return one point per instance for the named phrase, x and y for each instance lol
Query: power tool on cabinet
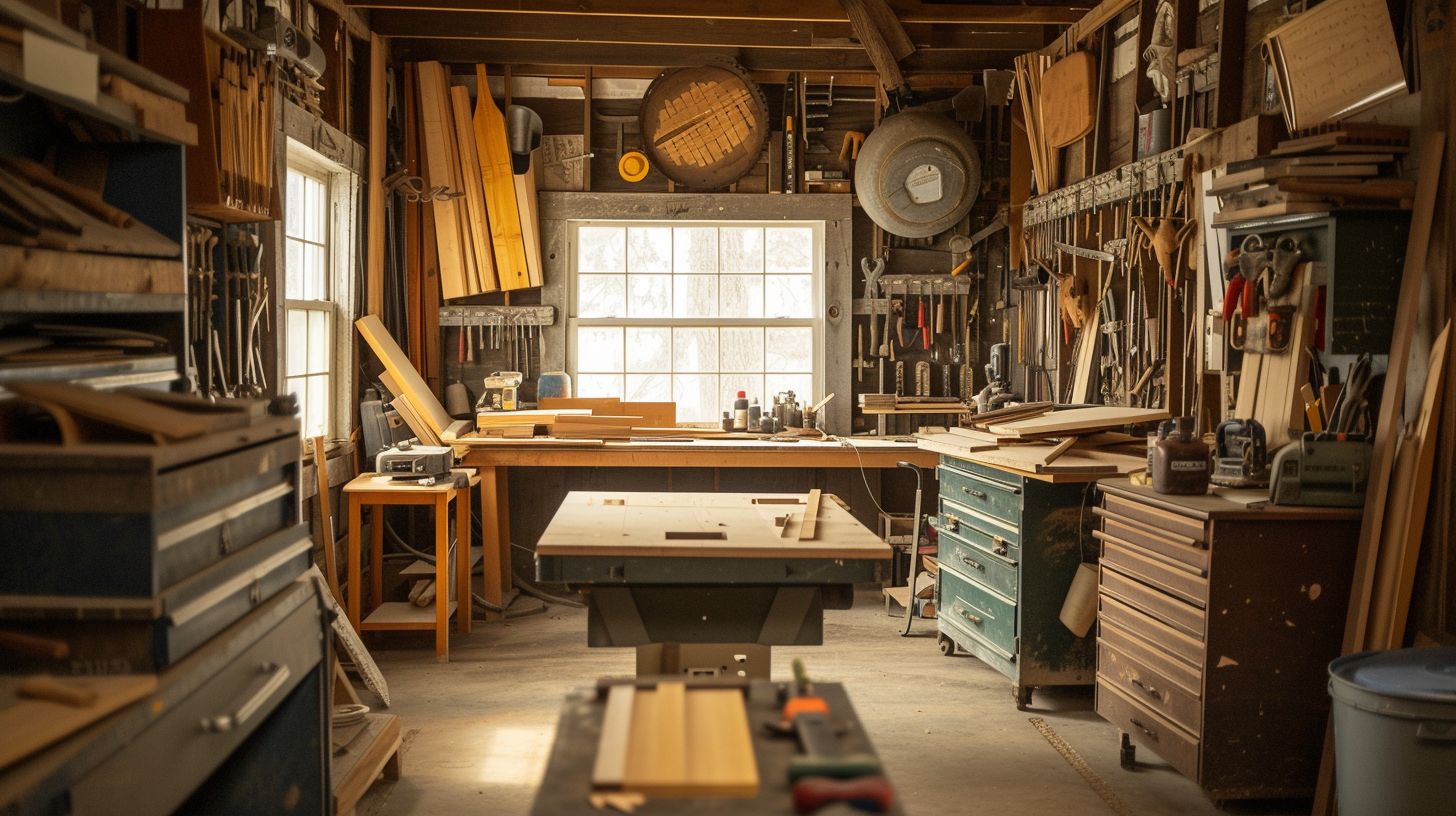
(1241, 454)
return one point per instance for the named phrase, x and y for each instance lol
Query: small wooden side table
(380, 492)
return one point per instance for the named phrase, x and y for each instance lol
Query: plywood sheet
(702, 525)
(1079, 420)
(1333, 60)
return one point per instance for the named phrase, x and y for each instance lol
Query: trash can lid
(1411, 674)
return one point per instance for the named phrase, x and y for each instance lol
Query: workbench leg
(490, 541)
(376, 556)
(442, 578)
(462, 558)
(503, 499)
(355, 576)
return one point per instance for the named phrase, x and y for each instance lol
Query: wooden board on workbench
(1078, 420)
(671, 741)
(701, 525)
(30, 725)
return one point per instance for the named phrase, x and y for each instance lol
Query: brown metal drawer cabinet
(1217, 616)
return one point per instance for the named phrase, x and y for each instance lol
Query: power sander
(1322, 470)
(1241, 454)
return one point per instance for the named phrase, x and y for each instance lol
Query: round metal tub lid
(1426, 675)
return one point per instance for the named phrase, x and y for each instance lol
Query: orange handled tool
(872, 794)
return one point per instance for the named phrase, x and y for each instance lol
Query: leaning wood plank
(525, 184)
(500, 190)
(378, 148)
(1079, 420)
(30, 725)
(476, 220)
(1061, 448)
(610, 769)
(435, 133)
(324, 536)
(410, 383)
(469, 263)
(121, 410)
(811, 516)
(1410, 497)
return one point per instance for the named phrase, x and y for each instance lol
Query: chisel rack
(1132, 179)
(497, 315)
(903, 285)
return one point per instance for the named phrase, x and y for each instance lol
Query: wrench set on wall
(227, 310)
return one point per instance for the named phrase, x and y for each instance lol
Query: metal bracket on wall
(497, 315)
(1132, 179)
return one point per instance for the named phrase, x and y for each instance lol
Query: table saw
(706, 583)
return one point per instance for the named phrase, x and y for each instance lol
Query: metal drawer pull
(1152, 692)
(1143, 728)
(1000, 545)
(972, 564)
(279, 675)
(968, 616)
(977, 493)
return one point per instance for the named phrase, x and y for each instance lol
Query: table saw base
(746, 660)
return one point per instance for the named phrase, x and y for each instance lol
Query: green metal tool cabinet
(1009, 546)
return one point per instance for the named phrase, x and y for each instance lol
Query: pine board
(1078, 420)
(530, 222)
(500, 190)
(30, 725)
(435, 133)
(680, 743)
(476, 221)
(411, 385)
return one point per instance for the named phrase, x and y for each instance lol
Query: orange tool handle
(803, 705)
(872, 794)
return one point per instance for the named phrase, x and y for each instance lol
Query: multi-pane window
(317, 214)
(694, 313)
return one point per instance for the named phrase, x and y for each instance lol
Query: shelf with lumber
(921, 410)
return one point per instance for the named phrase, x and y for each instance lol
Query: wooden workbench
(495, 460)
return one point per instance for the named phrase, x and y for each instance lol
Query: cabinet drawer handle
(1151, 692)
(968, 616)
(972, 564)
(278, 675)
(1143, 728)
(1000, 543)
(973, 492)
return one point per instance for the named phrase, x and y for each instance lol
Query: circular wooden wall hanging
(917, 174)
(704, 127)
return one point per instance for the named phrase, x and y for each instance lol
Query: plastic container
(553, 384)
(740, 412)
(1395, 731)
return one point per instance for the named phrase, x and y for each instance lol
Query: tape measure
(1099, 787)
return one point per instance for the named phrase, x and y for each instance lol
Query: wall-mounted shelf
(497, 315)
(1132, 179)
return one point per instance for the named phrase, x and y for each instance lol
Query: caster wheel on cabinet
(1127, 754)
(1023, 697)
(947, 646)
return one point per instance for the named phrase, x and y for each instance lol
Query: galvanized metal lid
(1426, 675)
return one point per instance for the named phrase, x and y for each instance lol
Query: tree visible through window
(694, 313)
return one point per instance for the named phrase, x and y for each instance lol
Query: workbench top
(1225, 503)
(711, 453)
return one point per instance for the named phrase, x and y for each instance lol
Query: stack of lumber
(873, 404)
(484, 217)
(40, 209)
(1035, 439)
(1349, 166)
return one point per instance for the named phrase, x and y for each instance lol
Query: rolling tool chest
(1009, 546)
(1217, 616)
(136, 554)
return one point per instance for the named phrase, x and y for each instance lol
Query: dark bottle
(1180, 459)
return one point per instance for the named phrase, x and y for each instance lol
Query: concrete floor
(479, 729)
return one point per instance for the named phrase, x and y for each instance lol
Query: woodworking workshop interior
(743, 407)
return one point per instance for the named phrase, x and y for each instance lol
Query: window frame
(818, 296)
(341, 203)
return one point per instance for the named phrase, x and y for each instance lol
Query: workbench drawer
(1182, 616)
(1149, 687)
(1174, 546)
(975, 609)
(1168, 639)
(1157, 517)
(998, 532)
(960, 552)
(1173, 577)
(1155, 656)
(983, 494)
(1149, 729)
(194, 734)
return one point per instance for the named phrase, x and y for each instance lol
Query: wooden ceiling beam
(457, 50)
(580, 28)
(811, 11)
(842, 79)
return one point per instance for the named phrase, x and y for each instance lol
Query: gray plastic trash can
(1395, 732)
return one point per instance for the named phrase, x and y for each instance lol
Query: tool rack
(1133, 179)
(497, 315)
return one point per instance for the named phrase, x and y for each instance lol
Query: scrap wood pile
(1325, 169)
(1037, 438)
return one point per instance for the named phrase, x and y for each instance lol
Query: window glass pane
(315, 215)
(801, 384)
(649, 349)
(315, 275)
(316, 418)
(789, 250)
(695, 349)
(601, 249)
(649, 249)
(790, 349)
(294, 206)
(599, 349)
(730, 384)
(789, 296)
(697, 397)
(694, 249)
(740, 296)
(694, 296)
(649, 388)
(740, 249)
(293, 270)
(601, 296)
(319, 347)
(649, 296)
(299, 390)
(741, 349)
(297, 343)
(599, 385)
